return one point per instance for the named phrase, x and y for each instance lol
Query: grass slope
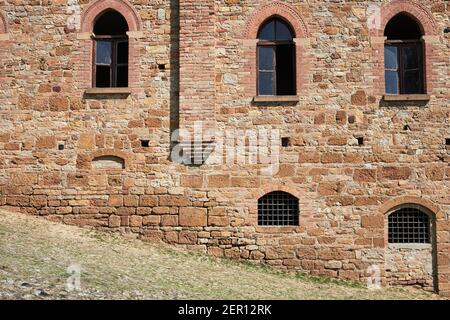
(35, 254)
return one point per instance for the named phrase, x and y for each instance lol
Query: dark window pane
(122, 52)
(110, 23)
(266, 83)
(410, 57)
(266, 58)
(412, 82)
(390, 57)
(104, 52)
(103, 77)
(282, 31)
(391, 79)
(267, 32)
(402, 27)
(285, 70)
(122, 76)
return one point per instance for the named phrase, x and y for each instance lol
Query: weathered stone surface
(192, 217)
(52, 131)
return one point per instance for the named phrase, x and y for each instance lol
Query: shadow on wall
(174, 69)
(402, 104)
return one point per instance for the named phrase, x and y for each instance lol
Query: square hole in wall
(161, 66)
(61, 146)
(145, 143)
(360, 141)
(447, 142)
(285, 142)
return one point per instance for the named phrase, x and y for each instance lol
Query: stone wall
(51, 130)
(410, 265)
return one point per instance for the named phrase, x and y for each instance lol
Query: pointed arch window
(276, 59)
(110, 50)
(404, 56)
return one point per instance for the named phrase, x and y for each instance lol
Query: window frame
(273, 44)
(429, 227)
(289, 221)
(115, 40)
(400, 45)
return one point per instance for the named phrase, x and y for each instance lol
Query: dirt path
(35, 255)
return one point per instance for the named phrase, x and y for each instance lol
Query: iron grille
(278, 208)
(409, 225)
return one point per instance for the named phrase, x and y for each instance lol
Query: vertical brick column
(431, 44)
(83, 60)
(377, 77)
(197, 63)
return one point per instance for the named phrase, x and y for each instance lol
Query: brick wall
(345, 190)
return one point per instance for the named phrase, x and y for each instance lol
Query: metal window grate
(409, 225)
(278, 208)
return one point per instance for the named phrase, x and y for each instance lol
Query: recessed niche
(145, 143)
(61, 146)
(108, 162)
(285, 142)
(351, 119)
(447, 142)
(360, 141)
(161, 66)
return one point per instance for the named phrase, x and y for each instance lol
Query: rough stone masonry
(101, 158)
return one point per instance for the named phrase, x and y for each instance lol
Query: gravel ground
(35, 255)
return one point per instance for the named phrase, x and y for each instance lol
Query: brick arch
(124, 7)
(274, 187)
(252, 202)
(84, 160)
(390, 205)
(113, 153)
(3, 23)
(278, 9)
(418, 12)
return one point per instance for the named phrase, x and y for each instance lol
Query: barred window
(278, 208)
(409, 225)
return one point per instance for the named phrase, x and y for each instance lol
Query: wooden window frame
(114, 65)
(400, 44)
(274, 45)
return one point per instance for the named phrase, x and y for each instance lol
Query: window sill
(406, 97)
(108, 91)
(414, 246)
(277, 229)
(276, 99)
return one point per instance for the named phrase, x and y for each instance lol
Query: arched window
(403, 56)
(276, 59)
(408, 225)
(278, 208)
(110, 50)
